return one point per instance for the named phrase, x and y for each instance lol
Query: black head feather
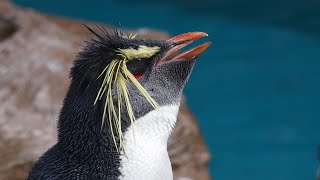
(101, 49)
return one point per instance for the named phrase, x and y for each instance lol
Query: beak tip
(190, 36)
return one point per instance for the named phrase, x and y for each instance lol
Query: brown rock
(36, 52)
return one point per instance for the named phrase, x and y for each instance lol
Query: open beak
(180, 42)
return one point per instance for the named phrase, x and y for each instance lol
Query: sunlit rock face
(36, 52)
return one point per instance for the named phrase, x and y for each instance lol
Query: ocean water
(255, 92)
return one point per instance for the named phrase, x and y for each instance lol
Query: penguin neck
(146, 155)
(79, 132)
(80, 122)
(79, 125)
(156, 125)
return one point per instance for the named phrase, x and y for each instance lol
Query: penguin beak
(180, 42)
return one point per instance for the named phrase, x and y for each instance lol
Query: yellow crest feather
(141, 52)
(116, 73)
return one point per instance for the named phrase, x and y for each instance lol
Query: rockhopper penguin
(120, 109)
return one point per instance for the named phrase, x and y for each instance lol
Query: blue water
(256, 91)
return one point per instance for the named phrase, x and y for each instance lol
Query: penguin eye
(138, 75)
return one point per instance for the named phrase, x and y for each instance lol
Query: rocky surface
(36, 52)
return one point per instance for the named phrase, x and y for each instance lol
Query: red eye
(138, 75)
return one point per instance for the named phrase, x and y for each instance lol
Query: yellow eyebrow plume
(142, 52)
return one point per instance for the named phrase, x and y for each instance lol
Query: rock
(36, 52)
(6, 28)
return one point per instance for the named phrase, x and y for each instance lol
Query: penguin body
(87, 147)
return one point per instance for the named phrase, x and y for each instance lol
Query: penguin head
(149, 73)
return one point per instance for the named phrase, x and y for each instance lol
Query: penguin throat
(146, 153)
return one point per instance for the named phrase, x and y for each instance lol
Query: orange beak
(183, 40)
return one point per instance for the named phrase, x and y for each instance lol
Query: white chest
(146, 146)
